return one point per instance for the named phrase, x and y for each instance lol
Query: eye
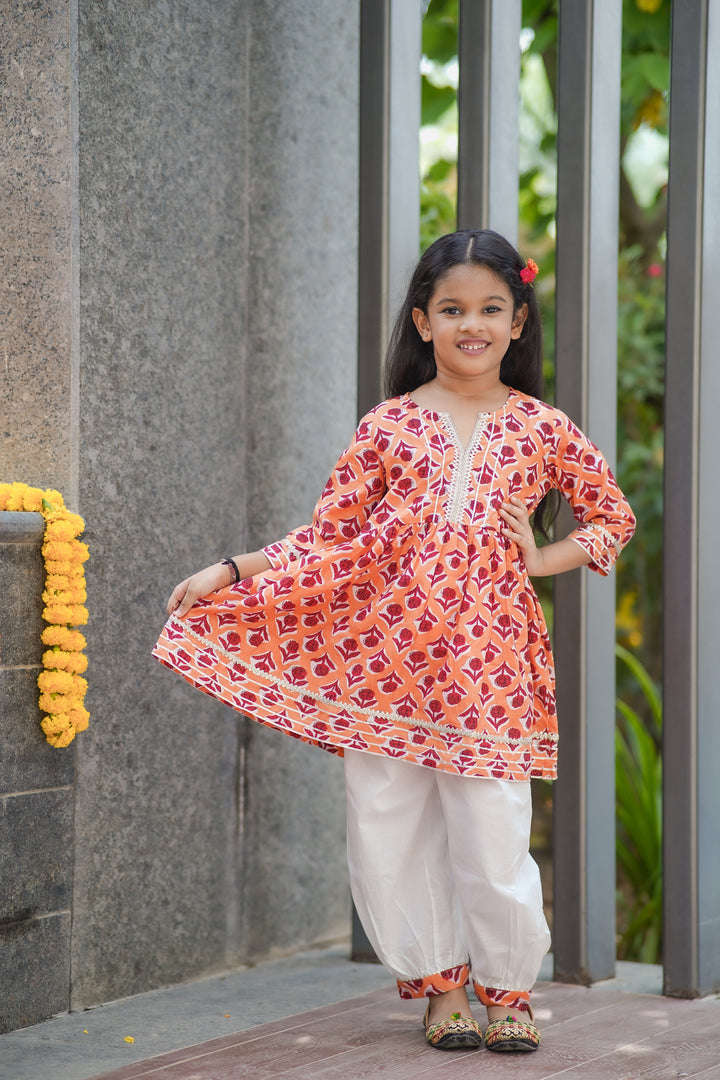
(451, 309)
(492, 309)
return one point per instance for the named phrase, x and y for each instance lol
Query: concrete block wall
(187, 380)
(36, 799)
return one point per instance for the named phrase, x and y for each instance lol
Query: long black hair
(411, 361)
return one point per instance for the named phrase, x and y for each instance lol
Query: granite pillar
(38, 248)
(180, 363)
(162, 174)
(301, 368)
(36, 799)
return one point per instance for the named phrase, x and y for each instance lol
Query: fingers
(186, 602)
(515, 513)
(517, 522)
(178, 594)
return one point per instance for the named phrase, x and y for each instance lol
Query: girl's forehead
(471, 278)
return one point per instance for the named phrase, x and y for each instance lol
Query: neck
(487, 392)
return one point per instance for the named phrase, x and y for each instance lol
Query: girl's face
(470, 321)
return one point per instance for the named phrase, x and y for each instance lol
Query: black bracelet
(227, 561)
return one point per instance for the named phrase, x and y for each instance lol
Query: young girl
(401, 629)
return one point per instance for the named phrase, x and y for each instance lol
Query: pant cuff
(431, 985)
(508, 999)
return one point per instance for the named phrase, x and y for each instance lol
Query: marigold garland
(62, 689)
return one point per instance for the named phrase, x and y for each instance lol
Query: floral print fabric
(401, 621)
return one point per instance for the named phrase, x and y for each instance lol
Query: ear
(519, 321)
(422, 323)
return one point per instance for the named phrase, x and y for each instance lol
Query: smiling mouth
(473, 346)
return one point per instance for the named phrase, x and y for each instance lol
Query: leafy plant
(638, 793)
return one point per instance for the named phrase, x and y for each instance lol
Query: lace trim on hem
(604, 534)
(426, 725)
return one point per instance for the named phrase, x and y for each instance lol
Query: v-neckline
(452, 426)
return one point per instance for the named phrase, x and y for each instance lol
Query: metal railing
(589, 52)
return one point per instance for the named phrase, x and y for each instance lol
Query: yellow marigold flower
(32, 499)
(56, 703)
(54, 724)
(54, 498)
(75, 595)
(55, 682)
(58, 528)
(65, 614)
(57, 659)
(649, 6)
(76, 523)
(57, 582)
(61, 685)
(80, 552)
(58, 551)
(63, 739)
(79, 615)
(80, 718)
(79, 686)
(53, 566)
(57, 613)
(70, 640)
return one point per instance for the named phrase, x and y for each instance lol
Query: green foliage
(645, 66)
(437, 201)
(641, 336)
(638, 787)
(439, 33)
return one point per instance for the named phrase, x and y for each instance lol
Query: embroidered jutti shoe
(457, 1033)
(512, 1034)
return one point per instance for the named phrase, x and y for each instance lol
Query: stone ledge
(21, 527)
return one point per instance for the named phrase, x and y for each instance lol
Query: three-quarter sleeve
(356, 485)
(606, 521)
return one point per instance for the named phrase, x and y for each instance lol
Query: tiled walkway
(596, 1034)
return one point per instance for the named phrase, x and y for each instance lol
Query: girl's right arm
(214, 577)
(355, 486)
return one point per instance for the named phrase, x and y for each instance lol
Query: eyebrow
(452, 300)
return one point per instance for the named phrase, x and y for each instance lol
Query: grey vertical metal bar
(389, 200)
(404, 148)
(586, 330)
(691, 639)
(389, 210)
(708, 531)
(373, 199)
(489, 107)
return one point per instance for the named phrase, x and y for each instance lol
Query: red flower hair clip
(529, 271)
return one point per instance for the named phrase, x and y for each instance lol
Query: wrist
(232, 568)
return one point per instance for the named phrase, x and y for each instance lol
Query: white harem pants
(442, 878)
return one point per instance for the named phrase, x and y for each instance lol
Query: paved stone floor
(354, 1027)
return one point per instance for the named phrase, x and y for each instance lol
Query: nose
(471, 322)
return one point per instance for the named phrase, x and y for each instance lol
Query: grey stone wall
(207, 301)
(162, 172)
(36, 799)
(37, 269)
(300, 377)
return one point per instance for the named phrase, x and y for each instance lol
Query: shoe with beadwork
(457, 1033)
(512, 1033)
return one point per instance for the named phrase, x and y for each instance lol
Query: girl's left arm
(605, 520)
(551, 559)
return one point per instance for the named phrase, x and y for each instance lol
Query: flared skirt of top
(424, 642)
